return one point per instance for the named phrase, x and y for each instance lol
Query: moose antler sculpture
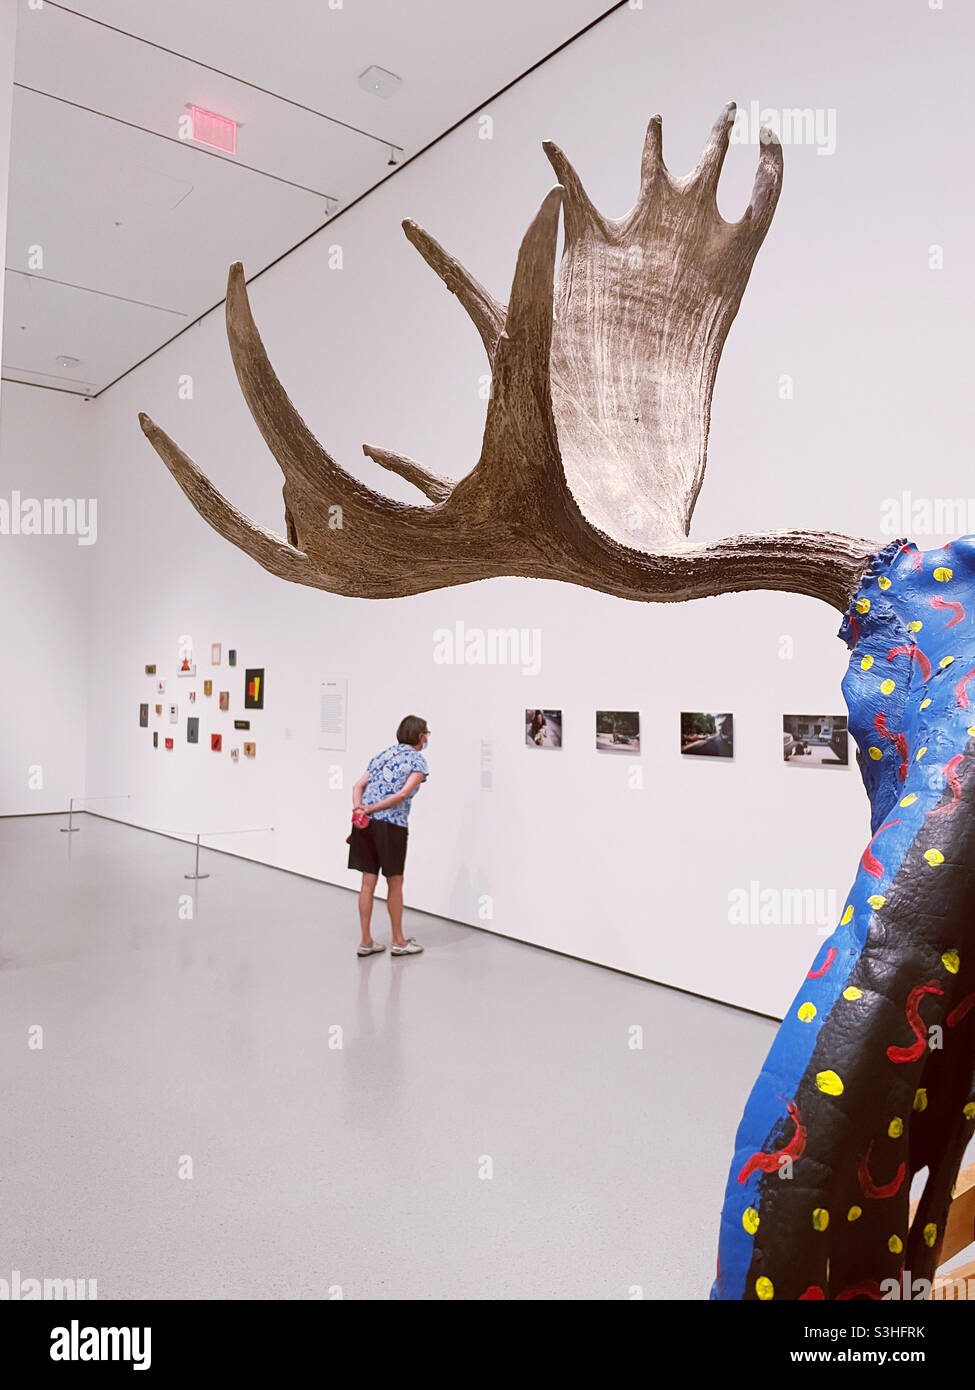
(593, 455)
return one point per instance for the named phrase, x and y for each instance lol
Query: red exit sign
(219, 132)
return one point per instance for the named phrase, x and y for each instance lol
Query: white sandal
(370, 950)
(412, 948)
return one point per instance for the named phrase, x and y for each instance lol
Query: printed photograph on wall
(543, 728)
(173, 713)
(155, 738)
(192, 730)
(187, 667)
(242, 723)
(249, 750)
(143, 716)
(208, 687)
(225, 699)
(254, 687)
(151, 670)
(617, 731)
(815, 740)
(708, 734)
(216, 742)
(232, 657)
(215, 651)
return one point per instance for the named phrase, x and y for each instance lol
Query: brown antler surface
(596, 429)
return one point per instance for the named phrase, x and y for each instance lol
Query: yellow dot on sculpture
(945, 661)
(920, 754)
(829, 1082)
(866, 663)
(909, 799)
(896, 1127)
(820, 1219)
(863, 605)
(851, 992)
(887, 686)
(876, 901)
(942, 574)
(930, 1233)
(969, 1110)
(951, 961)
(749, 1219)
(972, 730)
(934, 857)
(764, 1288)
(854, 1214)
(921, 1098)
(915, 626)
(875, 753)
(883, 582)
(924, 703)
(895, 1245)
(807, 1012)
(847, 915)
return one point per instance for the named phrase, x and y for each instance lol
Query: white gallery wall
(845, 381)
(45, 608)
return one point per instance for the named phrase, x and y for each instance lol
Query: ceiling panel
(137, 226)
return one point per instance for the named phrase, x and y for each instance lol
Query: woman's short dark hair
(411, 730)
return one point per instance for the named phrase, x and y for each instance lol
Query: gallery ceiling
(120, 232)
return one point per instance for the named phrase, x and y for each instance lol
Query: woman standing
(380, 812)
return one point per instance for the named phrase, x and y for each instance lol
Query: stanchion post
(196, 870)
(70, 829)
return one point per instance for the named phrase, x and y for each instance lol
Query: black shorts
(380, 846)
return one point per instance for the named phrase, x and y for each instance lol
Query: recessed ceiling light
(68, 362)
(380, 82)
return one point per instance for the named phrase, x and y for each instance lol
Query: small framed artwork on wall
(173, 713)
(208, 687)
(192, 730)
(215, 652)
(159, 709)
(187, 667)
(254, 687)
(216, 742)
(143, 716)
(160, 687)
(234, 755)
(232, 657)
(151, 670)
(155, 738)
(250, 750)
(225, 699)
(169, 743)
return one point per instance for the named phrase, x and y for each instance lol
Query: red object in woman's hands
(360, 818)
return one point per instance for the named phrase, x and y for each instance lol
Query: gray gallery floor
(483, 1131)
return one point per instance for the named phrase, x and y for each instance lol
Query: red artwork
(216, 742)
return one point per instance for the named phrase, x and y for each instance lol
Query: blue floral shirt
(388, 772)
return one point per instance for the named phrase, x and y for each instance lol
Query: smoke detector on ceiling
(68, 362)
(380, 82)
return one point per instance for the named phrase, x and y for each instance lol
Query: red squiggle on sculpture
(912, 1009)
(915, 653)
(768, 1163)
(871, 1189)
(916, 559)
(814, 1291)
(818, 974)
(954, 782)
(868, 860)
(898, 740)
(961, 1010)
(950, 606)
(961, 694)
(868, 1289)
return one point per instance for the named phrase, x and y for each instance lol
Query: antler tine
(767, 186)
(430, 484)
(483, 309)
(266, 547)
(708, 171)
